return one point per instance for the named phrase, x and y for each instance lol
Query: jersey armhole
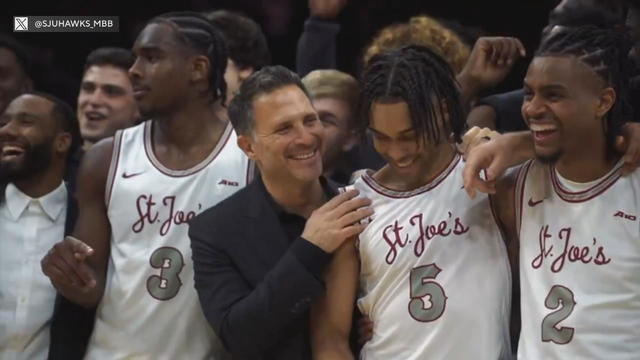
(113, 167)
(518, 197)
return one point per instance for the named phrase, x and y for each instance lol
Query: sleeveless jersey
(579, 265)
(150, 309)
(435, 277)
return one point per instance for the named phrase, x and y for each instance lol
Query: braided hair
(422, 79)
(605, 51)
(196, 32)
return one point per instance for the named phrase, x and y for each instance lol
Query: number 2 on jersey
(423, 287)
(558, 295)
(170, 262)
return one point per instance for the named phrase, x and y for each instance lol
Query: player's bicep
(92, 226)
(331, 314)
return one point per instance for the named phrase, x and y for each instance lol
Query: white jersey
(435, 277)
(579, 265)
(150, 309)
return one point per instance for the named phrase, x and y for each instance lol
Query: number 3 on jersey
(170, 262)
(558, 295)
(428, 299)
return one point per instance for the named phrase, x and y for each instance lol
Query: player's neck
(191, 126)
(296, 197)
(590, 164)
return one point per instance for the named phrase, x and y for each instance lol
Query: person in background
(334, 95)
(105, 101)
(15, 69)
(38, 135)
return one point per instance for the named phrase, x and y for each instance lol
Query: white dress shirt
(28, 229)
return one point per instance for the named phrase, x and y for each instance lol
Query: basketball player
(130, 252)
(431, 263)
(575, 215)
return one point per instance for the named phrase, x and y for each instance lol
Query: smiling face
(398, 143)
(286, 137)
(335, 115)
(105, 102)
(564, 106)
(28, 133)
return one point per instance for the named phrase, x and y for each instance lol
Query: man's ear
(200, 68)
(605, 102)
(62, 143)
(245, 144)
(245, 72)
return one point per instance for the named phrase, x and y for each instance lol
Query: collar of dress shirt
(53, 203)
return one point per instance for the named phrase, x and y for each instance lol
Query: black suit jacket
(71, 324)
(254, 285)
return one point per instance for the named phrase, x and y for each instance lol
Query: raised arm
(331, 315)
(317, 44)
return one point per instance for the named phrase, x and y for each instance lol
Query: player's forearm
(520, 145)
(87, 297)
(468, 86)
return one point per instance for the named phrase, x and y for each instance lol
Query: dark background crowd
(59, 56)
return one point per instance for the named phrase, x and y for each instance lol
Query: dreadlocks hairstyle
(605, 51)
(422, 79)
(196, 32)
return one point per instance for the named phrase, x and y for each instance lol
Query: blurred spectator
(15, 70)
(425, 31)
(246, 45)
(105, 101)
(334, 95)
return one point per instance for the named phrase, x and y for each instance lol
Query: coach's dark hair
(261, 82)
(118, 57)
(196, 32)
(605, 51)
(19, 51)
(66, 119)
(422, 79)
(245, 40)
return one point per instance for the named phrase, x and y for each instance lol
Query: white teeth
(538, 127)
(11, 150)
(94, 116)
(304, 156)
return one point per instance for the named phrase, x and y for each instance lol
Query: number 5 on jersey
(428, 299)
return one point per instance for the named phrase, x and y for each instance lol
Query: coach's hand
(65, 265)
(337, 220)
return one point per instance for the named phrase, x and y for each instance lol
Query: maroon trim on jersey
(588, 194)
(148, 148)
(113, 167)
(518, 197)
(431, 184)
